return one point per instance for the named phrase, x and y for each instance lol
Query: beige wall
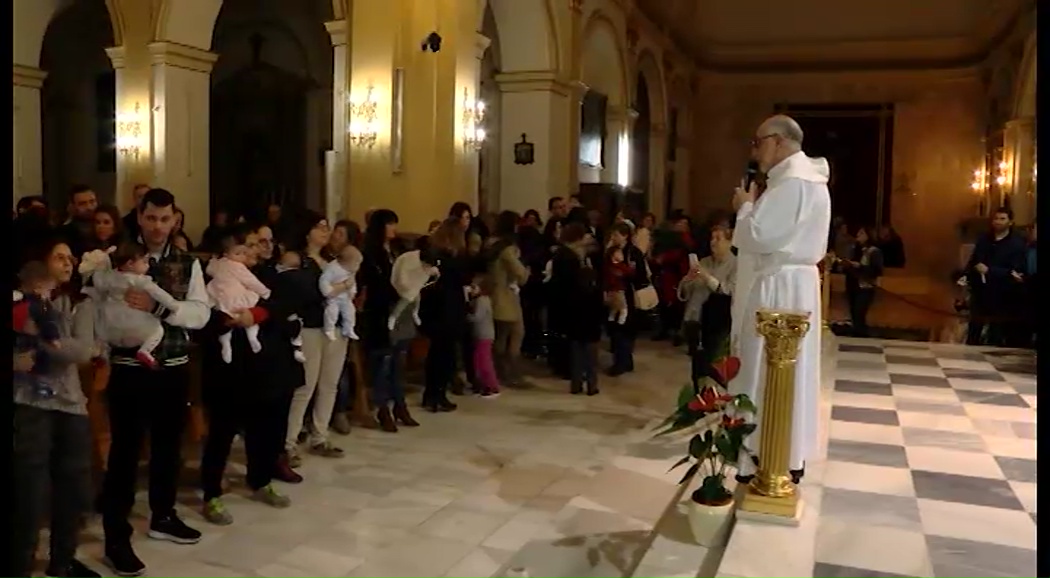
(936, 144)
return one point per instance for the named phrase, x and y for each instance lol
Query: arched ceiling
(760, 34)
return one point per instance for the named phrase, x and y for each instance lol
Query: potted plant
(718, 432)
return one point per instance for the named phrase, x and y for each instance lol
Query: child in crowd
(484, 329)
(111, 273)
(617, 274)
(234, 288)
(291, 262)
(412, 272)
(35, 323)
(339, 303)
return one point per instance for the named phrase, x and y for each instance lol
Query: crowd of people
(270, 306)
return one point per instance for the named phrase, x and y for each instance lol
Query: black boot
(797, 475)
(445, 405)
(386, 421)
(402, 416)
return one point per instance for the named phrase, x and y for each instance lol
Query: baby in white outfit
(411, 273)
(234, 288)
(339, 286)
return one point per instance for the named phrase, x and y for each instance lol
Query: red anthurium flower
(727, 368)
(731, 422)
(726, 397)
(708, 395)
(695, 405)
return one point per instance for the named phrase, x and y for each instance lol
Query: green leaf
(685, 395)
(680, 462)
(700, 447)
(744, 403)
(728, 449)
(689, 473)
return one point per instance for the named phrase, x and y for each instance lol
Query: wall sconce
(473, 122)
(130, 133)
(1001, 177)
(362, 123)
(980, 181)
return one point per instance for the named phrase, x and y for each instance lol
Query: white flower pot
(710, 524)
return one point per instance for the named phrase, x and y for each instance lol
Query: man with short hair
(557, 207)
(131, 220)
(142, 399)
(79, 229)
(995, 277)
(786, 231)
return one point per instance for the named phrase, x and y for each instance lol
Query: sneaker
(326, 450)
(216, 513)
(76, 569)
(172, 529)
(123, 561)
(294, 459)
(271, 497)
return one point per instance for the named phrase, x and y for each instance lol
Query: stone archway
(77, 121)
(649, 143)
(271, 105)
(524, 51)
(30, 23)
(604, 73)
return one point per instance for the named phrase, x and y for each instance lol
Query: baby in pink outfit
(234, 288)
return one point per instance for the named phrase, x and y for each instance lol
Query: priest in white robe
(786, 233)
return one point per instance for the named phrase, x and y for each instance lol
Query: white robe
(786, 232)
(745, 278)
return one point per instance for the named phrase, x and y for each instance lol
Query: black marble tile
(976, 374)
(953, 557)
(876, 349)
(988, 398)
(965, 490)
(909, 360)
(920, 380)
(867, 453)
(1018, 469)
(865, 415)
(835, 571)
(850, 386)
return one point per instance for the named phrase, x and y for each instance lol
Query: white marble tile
(907, 369)
(957, 462)
(956, 423)
(462, 525)
(981, 385)
(1011, 447)
(861, 546)
(918, 392)
(480, 563)
(1026, 494)
(999, 412)
(866, 478)
(318, 562)
(923, 353)
(978, 523)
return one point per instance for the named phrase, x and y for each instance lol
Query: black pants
(532, 318)
(558, 355)
(439, 367)
(51, 469)
(583, 364)
(860, 301)
(671, 318)
(231, 412)
(621, 342)
(142, 400)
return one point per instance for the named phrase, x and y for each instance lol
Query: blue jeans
(387, 368)
(622, 345)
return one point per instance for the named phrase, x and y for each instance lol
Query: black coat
(638, 280)
(443, 305)
(380, 297)
(271, 373)
(575, 308)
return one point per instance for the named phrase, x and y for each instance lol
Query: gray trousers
(51, 471)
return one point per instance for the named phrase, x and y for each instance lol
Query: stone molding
(534, 81)
(481, 44)
(182, 56)
(29, 77)
(337, 32)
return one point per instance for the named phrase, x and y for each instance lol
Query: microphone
(750, 174)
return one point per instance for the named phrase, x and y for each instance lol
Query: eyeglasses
(757, 141)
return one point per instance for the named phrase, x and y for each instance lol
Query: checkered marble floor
(931, 465)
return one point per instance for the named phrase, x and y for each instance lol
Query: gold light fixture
(473, 122)
(131, 132)
(980, 181)
(363, 117)
(1001, 177)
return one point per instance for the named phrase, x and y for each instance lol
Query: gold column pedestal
(771, 492)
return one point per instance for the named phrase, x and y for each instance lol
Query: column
(657, 169)
(335, 201)
(27, 141)
(617, 162)
(682, 199)
(1019, 145)
(472, 156)
(134, 121)
(180, 111)
(534, 105)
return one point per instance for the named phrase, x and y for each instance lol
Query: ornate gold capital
(782, 331)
